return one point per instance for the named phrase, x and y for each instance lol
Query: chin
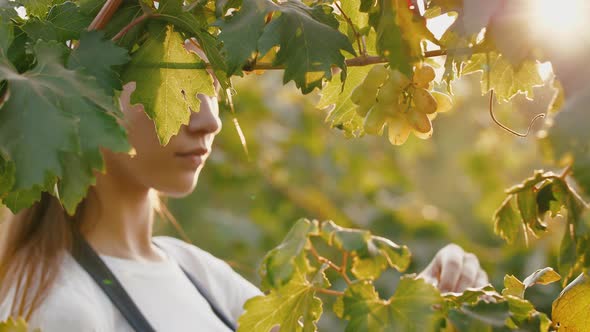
(180, 187)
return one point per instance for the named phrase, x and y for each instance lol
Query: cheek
(155, 166)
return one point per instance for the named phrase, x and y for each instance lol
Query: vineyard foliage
(374, 63)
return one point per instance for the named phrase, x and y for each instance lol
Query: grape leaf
(7, 171)
(84, 56)
(390, 42)
(481, 316)
(568, 139)
(15, 325)
(278, 265)
(309, 43)
(471, 296)
(166, 89)
(343, 115)
(507, 221)
(381, 253)
(294, 307)
(39, 122)
(541, 277)
(6, 35)
(499, 75)
(96, 129)
(513, 286)
(409, 309)
(570, 309)
(64, 22)
(348, 239)
(39, 7)
(527, 204)
(241, 31)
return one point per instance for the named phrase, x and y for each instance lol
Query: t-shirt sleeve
(228, 288)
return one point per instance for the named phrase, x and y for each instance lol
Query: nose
(207, 120)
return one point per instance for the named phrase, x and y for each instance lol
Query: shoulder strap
(207, 296)
(106, 280)
(110, 285)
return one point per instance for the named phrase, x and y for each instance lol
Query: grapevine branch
(538, 116)
(133, 23)
(331, 264)
(105, 14)
(357, 35)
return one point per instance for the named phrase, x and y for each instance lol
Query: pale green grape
(424, 101)
(423, 76)
(419, 121)
(443, 101)
(398, 129)
(376, 76)
(374, 121)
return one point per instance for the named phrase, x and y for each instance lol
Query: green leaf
(543, 276)
(348, 239)
(570, 309)
(84, 58)
(40, 121)
(309, 43)
(471, 296)
(14, 325)
(241, 31)
(64, 22)
(166, 89)
(382, 253)
(96, 129)
(507, 221)
(294, 307)
(390, 42)
(513, 287)
(17, 200)
(338, 94)
(409, 309)
(480, 316)
(279, 264)
(568, 139)
(499, 75)
(546, 200)
(6, 35)
(7, 171)
(527, 204)
(39, 7)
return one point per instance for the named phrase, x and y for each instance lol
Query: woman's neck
(118, 219)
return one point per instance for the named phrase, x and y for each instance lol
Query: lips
(197, 152)
(192, 159)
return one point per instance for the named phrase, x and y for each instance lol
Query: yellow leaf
(571, 308)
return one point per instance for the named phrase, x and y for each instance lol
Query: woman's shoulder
(74, 303)
(196, 260)
(228, 287)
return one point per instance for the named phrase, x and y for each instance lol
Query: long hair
(33, 244)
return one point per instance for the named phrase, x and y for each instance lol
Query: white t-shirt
(161, 291)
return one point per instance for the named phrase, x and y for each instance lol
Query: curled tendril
(538, 116)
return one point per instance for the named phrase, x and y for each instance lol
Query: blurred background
(425, 194)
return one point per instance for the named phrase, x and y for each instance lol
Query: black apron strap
(228, 322)
(106, 280)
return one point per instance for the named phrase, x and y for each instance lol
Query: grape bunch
(389, 97)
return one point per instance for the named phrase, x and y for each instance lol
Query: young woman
(42, 281)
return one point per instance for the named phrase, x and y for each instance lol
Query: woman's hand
(454, 270)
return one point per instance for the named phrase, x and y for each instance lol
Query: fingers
(451, 267)
(469, 274)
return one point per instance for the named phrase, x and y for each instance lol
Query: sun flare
(560, 22)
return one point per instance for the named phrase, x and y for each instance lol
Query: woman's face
(172, 169)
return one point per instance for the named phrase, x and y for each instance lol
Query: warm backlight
(561, 23)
